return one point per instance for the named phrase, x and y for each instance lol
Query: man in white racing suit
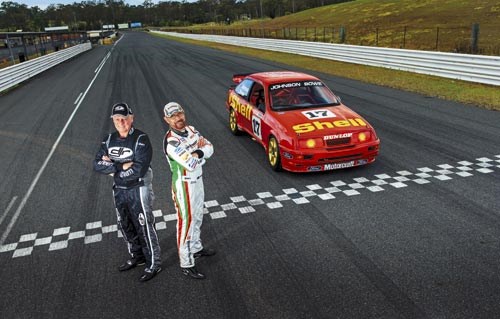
(186, 151)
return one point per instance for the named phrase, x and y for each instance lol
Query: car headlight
(363, 136)
(311, 143)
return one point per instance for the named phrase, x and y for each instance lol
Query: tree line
(91, 15)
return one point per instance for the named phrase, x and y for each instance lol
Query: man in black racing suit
(126, 155)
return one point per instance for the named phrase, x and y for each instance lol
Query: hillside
(444, 25)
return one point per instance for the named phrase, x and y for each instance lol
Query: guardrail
(466, 67)
(15, 74)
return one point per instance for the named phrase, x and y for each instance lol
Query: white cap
(171, 108)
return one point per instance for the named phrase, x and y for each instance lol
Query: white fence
(467, 67)
(18, 73)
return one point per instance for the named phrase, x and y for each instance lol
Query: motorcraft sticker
(338, 165)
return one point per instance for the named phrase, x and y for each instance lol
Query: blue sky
(45, 3)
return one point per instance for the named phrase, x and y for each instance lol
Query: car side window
(243, 89)
(261, 103)
(257, 98)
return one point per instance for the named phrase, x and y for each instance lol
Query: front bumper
(314, 160)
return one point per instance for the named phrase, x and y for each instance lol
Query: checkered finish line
(95, 231)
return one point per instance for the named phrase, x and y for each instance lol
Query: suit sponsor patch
(120, 153)
(192, 162)
(179, 151)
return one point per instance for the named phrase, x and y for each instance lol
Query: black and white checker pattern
(95, 231)
(61, 237)
(381, 182)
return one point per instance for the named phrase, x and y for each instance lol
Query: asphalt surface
(414, 235)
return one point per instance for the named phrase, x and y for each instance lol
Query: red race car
(302, 125)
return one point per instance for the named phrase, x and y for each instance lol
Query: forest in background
(91, 15)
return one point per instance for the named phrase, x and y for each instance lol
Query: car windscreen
(300, 94)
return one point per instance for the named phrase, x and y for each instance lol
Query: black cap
(121, 109)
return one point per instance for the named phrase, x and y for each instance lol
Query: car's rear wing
(237, 78)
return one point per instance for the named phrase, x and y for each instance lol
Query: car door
(258, 102)
(240, 103)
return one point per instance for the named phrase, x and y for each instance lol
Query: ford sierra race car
(300, 122)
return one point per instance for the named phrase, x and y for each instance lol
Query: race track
(414, 235)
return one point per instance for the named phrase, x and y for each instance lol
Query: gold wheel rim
(273, 152)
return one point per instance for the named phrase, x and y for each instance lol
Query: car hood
(309, 122)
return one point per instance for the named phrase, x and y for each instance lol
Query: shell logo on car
(243, 109)
(317, 125)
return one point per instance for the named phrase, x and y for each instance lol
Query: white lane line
(94, 230)
(99, 67)
(44, 165)
(78, 98)
(12, 201)
(123, 36)
(102, 63)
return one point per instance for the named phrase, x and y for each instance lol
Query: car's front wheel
(233, 123)
(273, 154)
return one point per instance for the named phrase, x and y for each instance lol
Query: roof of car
(282, 76)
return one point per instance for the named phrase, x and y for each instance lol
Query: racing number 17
(256, 127)
(318, 114)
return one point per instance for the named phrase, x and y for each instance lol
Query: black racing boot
(205, 252)
(193, 273)
(131, 263)
(149, 274)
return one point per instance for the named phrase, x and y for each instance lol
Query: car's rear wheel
(233, 123)
(273, 154)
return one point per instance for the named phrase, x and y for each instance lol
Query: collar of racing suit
(184, 133)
